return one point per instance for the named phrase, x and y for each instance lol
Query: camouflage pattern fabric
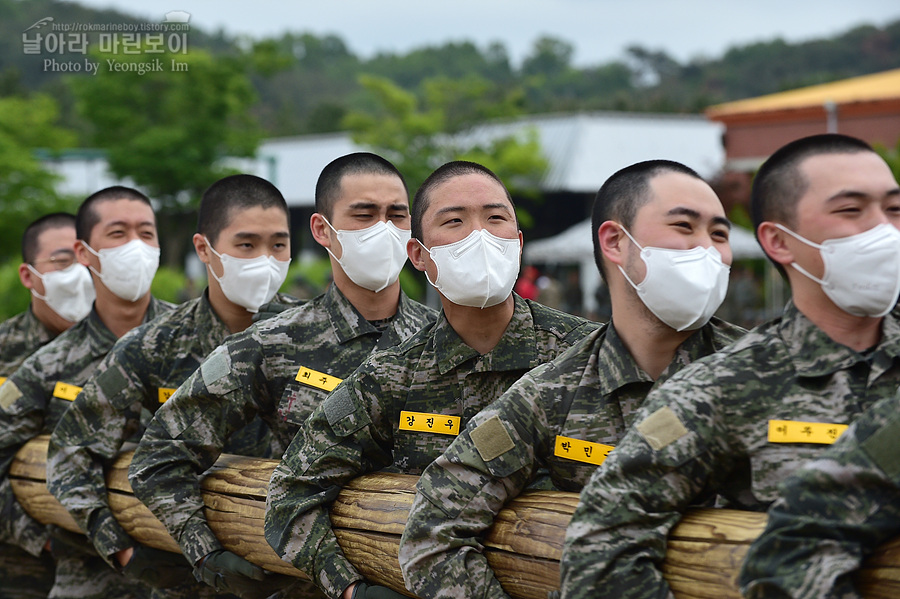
(24, 576)
(20, 336)
(139, 373)
(706, 431)
(357, 429)
(589, 393)
(30, 405)
(832, 513)
(252, 373)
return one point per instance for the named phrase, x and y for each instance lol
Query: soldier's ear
(202, 248)
(321, 232)
(611, 238)
(775, 243)
(25, 276)
(83, 255)
(416, 254)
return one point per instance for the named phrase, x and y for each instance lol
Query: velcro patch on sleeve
(491, 439)
(338, 405)
(214, 367)
(661, 428)
(881, 447)
(112, 382)
(9, 393)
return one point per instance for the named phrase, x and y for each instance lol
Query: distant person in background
(61, 294)
(550, 291)
(526, 285)
(572, 298)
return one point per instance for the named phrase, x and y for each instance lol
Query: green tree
(891, 156)
(169, 130)
(418, 135)
(27, 188)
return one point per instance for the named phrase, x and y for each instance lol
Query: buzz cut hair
(56, 220)
(87, 218)
(328, 186)
(442, 174)
(226, 197)
(624, 193)
(779, 183)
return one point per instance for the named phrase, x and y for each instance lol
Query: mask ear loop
(219, 256)
(338, 233)
(91, 250)
(41, 277)
(427, 278)
(796, 266)
(622, 270)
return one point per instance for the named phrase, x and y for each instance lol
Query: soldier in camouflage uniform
(282, 368)
(738, 422)
(34, 397)
(245, 217)
(48, 246)
(566, 415)
(832, 513)
(405, 405)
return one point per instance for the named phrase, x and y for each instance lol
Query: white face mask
(250, 282)
(68, 292)
(372, 257)
(478, 271)
(683, 288)
(127, 270)
(862, 272)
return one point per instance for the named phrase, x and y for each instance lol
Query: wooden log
(523, 547)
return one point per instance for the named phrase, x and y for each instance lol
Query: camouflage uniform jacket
(140, 372)
(832, 513)
(20, 336)
(33, 399)
(588, 394)
(252, 374)
(706, 431)
(357, 429)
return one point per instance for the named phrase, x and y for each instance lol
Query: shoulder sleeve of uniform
(344, 413)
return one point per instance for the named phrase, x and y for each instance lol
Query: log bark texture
(523, 547)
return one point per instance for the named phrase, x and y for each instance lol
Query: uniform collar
(93, 323)
(516, 350)
(615, 367)
(34, 329)
(814, 353)
(346, 321)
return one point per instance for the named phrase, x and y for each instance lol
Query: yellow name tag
(316, 379)
(66, 391)
(794, 431)
(581, 451)
(2, 379)
(429, 423)
(165, 394)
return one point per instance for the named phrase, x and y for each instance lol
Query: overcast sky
(599, 30)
